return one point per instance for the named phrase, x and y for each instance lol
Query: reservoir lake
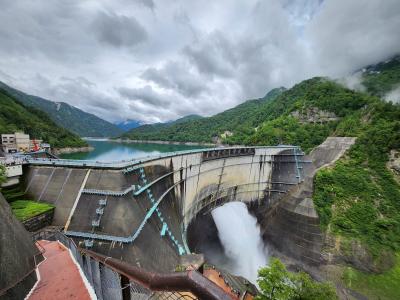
(108, 150)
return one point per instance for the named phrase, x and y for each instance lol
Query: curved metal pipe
(189, 281)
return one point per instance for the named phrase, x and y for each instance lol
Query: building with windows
(20, 142)
(23, 142)
(8, 143)
(16, 142)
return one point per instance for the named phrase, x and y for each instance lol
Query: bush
(276, 283)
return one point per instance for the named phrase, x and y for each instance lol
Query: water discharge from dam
(240, 236)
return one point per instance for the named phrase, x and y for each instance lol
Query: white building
(18, 141)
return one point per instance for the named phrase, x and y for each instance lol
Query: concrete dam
(150, 212)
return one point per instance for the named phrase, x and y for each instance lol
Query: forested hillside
(15, 116)
(383, 77)
(198, 129)
(299, 115)
(67, 116)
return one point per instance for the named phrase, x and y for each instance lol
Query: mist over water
(240, 236)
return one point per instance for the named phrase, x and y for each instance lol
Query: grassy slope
(67, 116)
(22, 206)
(383, 286)
(15, 116)
(244, 116)
(26, 209)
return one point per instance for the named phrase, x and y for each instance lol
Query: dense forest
(15, 116)
(67, 116)
(382, 77)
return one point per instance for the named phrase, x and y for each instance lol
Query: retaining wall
(39, 221)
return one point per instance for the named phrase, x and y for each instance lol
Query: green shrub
(276, 282)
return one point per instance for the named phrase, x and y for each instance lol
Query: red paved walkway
(59, 275)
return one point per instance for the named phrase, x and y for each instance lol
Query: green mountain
(185, 119)
(15, 116)
(383, 77)
(198, 129)
(67, 116)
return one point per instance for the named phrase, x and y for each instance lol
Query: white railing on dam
(191, 180)
(126, 163)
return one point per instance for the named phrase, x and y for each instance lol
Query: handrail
(189, 281)
(129, 239)
(128, 163)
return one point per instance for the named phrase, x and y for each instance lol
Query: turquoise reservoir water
(107, 151)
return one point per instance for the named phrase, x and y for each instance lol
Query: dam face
(143, 211)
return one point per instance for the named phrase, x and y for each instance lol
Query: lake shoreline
(69, 150)
(109, 150)
(163, 142)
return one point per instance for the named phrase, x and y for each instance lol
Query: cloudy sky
(157, 60)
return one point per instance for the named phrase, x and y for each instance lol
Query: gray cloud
(148, 3)
(159, 61)
(348, 35)
(177, 76)
(214, 55)
(118, 30)
(146, 95)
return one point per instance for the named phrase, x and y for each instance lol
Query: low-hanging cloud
(393, 95)
(155, 61)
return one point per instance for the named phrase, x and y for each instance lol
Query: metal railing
(135, 234)
(109, 193)
(129, 163)
(115, 279)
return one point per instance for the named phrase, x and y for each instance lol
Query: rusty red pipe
(189, 281)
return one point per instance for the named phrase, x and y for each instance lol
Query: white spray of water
(240, 236)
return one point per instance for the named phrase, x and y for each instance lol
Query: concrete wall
(291, 225)
(40, 221)
(17, 256)
(13, 170)
(55, 185)
(197, 181)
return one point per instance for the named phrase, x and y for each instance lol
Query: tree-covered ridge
(14, 116)
(245, 115)
(359, 198)
(281, 127)
(67, 116)
(383, 77)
